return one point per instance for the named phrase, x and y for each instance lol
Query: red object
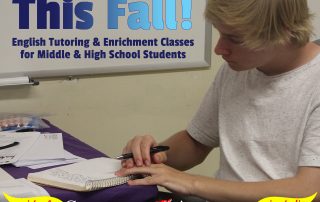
(169, 200)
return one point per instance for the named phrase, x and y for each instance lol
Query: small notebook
(87, 175)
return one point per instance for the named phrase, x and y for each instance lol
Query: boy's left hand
(160, 174)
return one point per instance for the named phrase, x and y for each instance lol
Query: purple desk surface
(122, 193)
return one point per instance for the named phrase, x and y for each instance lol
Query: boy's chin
(237, 67)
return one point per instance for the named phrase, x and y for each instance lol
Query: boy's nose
(222, 48)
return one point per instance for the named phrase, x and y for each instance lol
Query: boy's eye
(232, 38)
(235, 40)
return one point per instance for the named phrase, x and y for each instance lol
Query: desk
(122, 193)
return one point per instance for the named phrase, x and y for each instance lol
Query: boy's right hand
(140, 147)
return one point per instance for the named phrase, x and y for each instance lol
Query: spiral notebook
(87, 175)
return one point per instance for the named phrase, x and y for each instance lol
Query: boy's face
(240, 58)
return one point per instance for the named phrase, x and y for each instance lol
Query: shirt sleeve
(203, 127)
(310, 147)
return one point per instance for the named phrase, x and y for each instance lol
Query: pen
(25, 130)
(9, 145)
(153, 150)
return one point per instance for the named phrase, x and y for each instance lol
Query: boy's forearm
(184, 151)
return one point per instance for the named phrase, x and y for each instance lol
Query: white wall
(314, 6)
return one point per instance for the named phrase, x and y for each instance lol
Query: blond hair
(264, 22)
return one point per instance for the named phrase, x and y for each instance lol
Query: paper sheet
(47, 146)
(20, 188)
(69, 158)
(12, 154)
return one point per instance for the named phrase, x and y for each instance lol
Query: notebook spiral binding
(92, 185)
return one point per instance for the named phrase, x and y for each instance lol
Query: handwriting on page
(64, 175)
